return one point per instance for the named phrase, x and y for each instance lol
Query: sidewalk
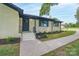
(36, 47)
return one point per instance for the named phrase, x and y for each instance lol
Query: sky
(63, 11)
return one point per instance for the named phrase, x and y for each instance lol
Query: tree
(45, 8)
(77, 15)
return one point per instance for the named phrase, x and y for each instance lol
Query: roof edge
(39, 17)
(14, 7)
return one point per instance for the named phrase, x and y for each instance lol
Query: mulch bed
(16, 40)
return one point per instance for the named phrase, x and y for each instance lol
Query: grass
(71, 49)
(10, 49)
(57, 35)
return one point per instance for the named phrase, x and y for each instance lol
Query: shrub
(9, 39)
(41, 35)
(44, 32)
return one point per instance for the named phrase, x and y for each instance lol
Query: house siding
(50, 28)
(20, 24)
(43, 29)
(38, 28)
(9, 22)
(56, 28)
(31, 24)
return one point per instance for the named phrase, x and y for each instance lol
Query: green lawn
(9, 49)
(57, 35)
(71, 49)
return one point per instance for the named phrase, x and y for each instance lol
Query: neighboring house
(13, 22)
(38, 24)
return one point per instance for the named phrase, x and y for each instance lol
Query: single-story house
(38, 24)
(13, 22)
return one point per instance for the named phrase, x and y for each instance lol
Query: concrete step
(28, 36)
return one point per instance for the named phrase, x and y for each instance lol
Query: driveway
(37, 48)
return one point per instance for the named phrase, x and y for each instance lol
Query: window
(43, 23)
(56, 24)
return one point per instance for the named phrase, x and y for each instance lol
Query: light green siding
(9, 22)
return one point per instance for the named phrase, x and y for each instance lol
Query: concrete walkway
(37, 48)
